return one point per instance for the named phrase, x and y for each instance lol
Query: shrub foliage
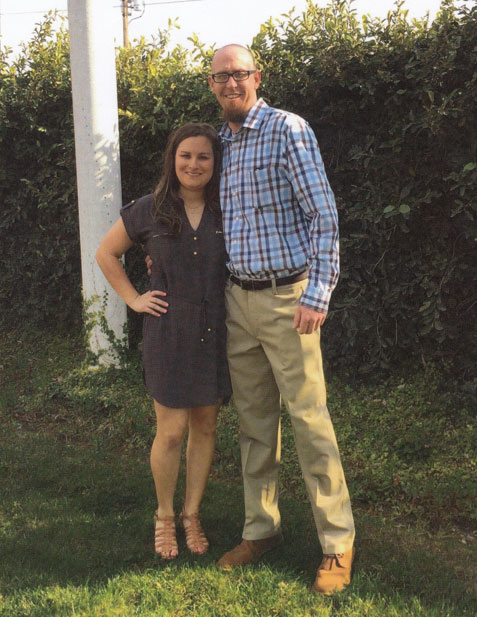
(393, 106)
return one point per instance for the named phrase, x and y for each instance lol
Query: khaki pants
(268, 358)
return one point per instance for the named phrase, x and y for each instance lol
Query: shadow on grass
(82, 515)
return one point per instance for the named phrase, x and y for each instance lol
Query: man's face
(235, 98)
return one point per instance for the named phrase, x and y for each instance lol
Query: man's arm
(313, 192)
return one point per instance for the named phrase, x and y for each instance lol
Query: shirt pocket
(159, 244)
(265, 184)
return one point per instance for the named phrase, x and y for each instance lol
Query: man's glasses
(239, 76)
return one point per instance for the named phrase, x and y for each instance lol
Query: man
(280, 228)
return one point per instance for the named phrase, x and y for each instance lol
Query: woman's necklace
(189, 207)
(194, 214)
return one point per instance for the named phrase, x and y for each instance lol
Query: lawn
(76, 534)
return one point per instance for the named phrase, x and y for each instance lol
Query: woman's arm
(112, 248)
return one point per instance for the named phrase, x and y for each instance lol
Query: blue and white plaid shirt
(279, 212)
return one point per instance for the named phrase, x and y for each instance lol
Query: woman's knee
(171, 426)
(208, 429)
(171, 435)
(203, 423)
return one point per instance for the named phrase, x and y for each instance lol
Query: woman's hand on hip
(150, 302)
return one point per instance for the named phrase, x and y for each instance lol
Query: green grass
(76, 530)
(77, 500)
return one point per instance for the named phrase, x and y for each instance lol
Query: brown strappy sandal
(196, 540)
(165, 541)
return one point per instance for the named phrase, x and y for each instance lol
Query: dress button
(209, 329)
(202, 339)
(195, 252)
(195, 237)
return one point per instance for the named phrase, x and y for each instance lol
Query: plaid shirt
(279, 212)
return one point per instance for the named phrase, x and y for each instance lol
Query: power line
(115, 6)
(173, 2)
(33, 12)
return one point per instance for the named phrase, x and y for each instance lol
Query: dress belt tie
(204, 329)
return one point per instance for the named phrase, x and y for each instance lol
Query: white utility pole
(95, 111)
(125, 10)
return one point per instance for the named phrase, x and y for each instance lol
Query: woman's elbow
(100, 256)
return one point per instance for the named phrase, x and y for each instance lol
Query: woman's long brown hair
(168, 203)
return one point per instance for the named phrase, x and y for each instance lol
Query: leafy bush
(393, 105)
(40, 261)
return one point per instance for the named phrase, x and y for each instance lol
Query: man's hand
(148, 261)
(307, 320)
(150, 302)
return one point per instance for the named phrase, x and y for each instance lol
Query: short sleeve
(137, 218)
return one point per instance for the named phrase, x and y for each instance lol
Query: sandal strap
(195, 535)
(165, 540)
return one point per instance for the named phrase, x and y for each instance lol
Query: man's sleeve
(313, 192)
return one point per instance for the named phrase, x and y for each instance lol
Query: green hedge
(393, 105)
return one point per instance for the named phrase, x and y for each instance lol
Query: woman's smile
(194, 163)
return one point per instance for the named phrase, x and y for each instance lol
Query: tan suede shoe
(248, 552)
(334, 572)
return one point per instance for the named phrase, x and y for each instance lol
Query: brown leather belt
(262, 284)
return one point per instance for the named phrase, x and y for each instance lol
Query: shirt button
(202, 339)
(195, 252)
(195, 237)
(209, 329)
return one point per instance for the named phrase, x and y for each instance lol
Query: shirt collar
(254, 119)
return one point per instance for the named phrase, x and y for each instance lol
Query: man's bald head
(236, 50)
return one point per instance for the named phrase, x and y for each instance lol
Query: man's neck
(235, 126)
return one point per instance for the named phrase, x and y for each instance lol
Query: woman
(184, 359)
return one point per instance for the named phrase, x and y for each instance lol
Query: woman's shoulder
(137, 217)
(140, 210)
(145, 203)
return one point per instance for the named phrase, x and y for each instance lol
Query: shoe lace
(329, 560)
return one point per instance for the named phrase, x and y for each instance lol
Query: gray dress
(184, 355)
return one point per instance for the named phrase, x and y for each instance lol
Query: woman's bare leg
(165, 460)
(200, 452)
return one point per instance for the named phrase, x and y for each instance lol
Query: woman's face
(194, 163)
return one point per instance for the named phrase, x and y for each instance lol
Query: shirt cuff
(316, 297)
